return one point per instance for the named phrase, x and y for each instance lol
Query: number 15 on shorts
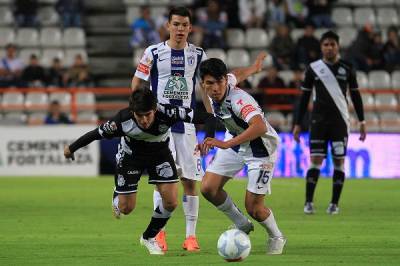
(263, 178)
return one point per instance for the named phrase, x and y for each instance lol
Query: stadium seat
(36, 118)
(217, 53)
(12, 101)
(396, 80)
(13, 119)
(364, 15)
(2, 53)
(286, 75)
(256, 38)
(372, 122)
(267, 61)
(64, 98)
(87, 118)
(71, 53)
(342, 16)
(319, 32)
(182, 2)
(362, 80)
(74, 37)
(390, 122)
(347, 35)
(379, 79)
(387, 102)
(135, 2)
(50, 37)
(86, 101)
(158, 11)
(51, 2)
(27, 37)
(235, 38)
(137, 55)
(7, 35)
(25, 54)
(49, 54)
(132, 13)
(237, 58)
(384, 2)
(343, 2)
(48, 16)
(6, 17)
(368, 101)
(361, 2)
(295, 34)
(159, 2)
(387, 16)
(276, 119)
(36, 101)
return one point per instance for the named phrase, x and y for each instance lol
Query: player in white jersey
(172, 67)
(250, 140)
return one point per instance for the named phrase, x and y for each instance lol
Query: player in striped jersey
(250, 140)
(172, 69)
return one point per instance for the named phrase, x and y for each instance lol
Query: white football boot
(332, 209)
(151, 245)
(275, 245)
(309, 208)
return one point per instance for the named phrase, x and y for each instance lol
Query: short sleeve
(245, 107)
(112, 128)
(145, 64)
(308, 81)
(232, 81)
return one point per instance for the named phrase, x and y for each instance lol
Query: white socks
(270, 225)
(191, 210)
(233, 213)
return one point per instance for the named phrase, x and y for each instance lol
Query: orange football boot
(161, 239)
(191, 244)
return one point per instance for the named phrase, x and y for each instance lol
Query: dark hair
(329, 35)
(142, 101)
(180, 11)
(214, 67)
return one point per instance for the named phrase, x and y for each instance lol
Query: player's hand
(202, 148)
(258, 64)
(363, 132)
(68, 154)
(296, 133)
(211, 142)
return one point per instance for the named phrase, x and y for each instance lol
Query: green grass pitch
(68, 221)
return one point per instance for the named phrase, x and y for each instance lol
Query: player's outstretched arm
(244, 72)
(256, 129)
(84, 140)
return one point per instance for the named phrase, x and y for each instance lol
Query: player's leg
(339, 147)
(225, 164)
(191, 172)
(259, 183)
(318, 149)
(163, 174)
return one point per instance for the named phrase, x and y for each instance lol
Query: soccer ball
(234, 245)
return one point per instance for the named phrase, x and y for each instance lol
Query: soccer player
(250, 140)
(144, 131)
(172, 68)
(330, 77)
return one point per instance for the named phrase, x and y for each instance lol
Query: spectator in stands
(307, 48)
(33, 75)
(320, 13)
(71, 12)
(78, 74)
(359, 52)
(55, 116)
(213, 21)
(271, 80)
(11, 68)
(276, 13)
(375, 55)
(55, 74)
(25, 12)
(144, 31)
(297, 13)
(391, 50)
(282, 47)
(295, 82)
(252, 13)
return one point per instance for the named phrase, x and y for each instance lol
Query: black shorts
(160, 168)
(323, 132)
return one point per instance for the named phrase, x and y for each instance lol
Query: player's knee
(208, 191)
(170, 205)
(189, 186)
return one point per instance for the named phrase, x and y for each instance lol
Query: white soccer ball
(234, 245)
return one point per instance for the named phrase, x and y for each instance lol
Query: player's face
(146, 119)
(330, 49)
(214, 88)
(179, 28)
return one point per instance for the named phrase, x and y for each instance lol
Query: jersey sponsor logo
(120, 180)
(342, 71)
(247, 109)
(176, 88)
(163, 128)
(177, 60)
(164, 170)
(239, 102)
(133, 172)
(145, 69)
(110, 127)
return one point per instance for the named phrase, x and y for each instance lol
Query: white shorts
(188, 162)
(260, 170)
